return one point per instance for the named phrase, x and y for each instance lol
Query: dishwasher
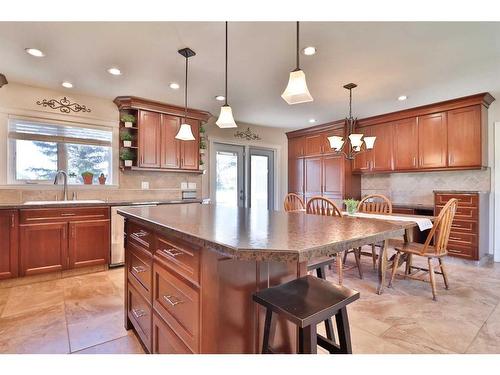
(117, 257)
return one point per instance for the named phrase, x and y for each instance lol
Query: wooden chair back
(441, 229)
(293, 202)
(322, 206)
(376, 204)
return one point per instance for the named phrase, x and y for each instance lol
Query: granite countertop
(246, 233)
(460, 191)
(420, 206)
(110, 203)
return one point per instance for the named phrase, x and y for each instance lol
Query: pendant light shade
(296, 91)
(226, 119)
(185, 133)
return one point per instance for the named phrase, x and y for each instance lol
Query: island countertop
(253, 234)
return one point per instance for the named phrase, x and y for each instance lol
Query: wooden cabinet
(296, 147)
(405, 144)
(170, 147)
(432, 140)
(190, 150)
(313, 184)
(89, 243)
(382, 153)
(332, 176)
(9, 239)
(296, 176)
(464, 136)
(43, 248)
(149, 139)
(314, 144)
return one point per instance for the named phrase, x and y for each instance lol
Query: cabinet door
(296, 147)
(296, 176)
(405, 144)
(149, 139)
(88, 243)
(332, 174)
(314, 144)
(326, 144)
(170, 147)
(8, 243)
(190, 150)
(432, 140)
(312, 177)
(382, 152)
(464, 137)
(362, 161)
(43, 248)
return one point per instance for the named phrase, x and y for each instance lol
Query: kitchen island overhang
(192, 270)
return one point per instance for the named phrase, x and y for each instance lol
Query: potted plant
(127, 156)
(128, 120)
(102, 179)
(351, 205)
(127, 138)
(202, 129)
(203, 146)
(202, 165)
(87, 177)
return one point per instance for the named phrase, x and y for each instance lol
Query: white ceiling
(425, 61)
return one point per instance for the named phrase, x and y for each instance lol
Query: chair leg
(320, 272)
(343, 331)
(308, 340)
(443, 271)
(374, 256)
(338, 260)
(394, 267)
(432, 278)
(409, 259)
(357, 257)
(345, 256)
(267, 332)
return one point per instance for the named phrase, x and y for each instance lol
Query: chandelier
(357, 143)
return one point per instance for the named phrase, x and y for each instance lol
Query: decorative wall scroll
(248, 134)
(64, 105)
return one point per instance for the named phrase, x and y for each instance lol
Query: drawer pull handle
(455, 238)
(68, 214)
(172, 252)
(139, 269)
(172, 300)
(140, 234)
(138, 313)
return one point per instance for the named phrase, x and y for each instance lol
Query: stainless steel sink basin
(81, 201)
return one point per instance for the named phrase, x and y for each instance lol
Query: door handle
(172, 252)
(139, 269)
(138, 313)
(172, 300)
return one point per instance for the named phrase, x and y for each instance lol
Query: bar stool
(306, 302)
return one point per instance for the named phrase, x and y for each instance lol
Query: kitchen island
(192, 270)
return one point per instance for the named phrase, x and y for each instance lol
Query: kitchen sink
(81, 201)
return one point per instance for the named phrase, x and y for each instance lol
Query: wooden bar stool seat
(306, 302)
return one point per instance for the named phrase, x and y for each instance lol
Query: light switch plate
(184, 185)
(144, 185)
(192, 185)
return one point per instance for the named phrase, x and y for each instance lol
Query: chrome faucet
(56, 180)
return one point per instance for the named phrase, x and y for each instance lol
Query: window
(38, 150)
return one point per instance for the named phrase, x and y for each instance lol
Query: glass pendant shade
(296, 91)
(336, 142)
(226, 119)
(369, 142)
(185, 133)
(356, 141)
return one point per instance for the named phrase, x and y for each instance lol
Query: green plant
(202, 129)
(87, 174)
(351, 205)
(128, 118)
(126, 136)
(202, 162)
(203, 144)
(127, 154)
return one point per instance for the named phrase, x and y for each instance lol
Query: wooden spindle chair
(374, 204)
(293, 202)
(440, 233)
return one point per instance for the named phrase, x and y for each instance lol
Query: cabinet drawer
(140, 267)
(43, 215)
(139, 313)
(468, 252)
(403, 210)
(462, 213)
(464, 226)
(165, 341)
(463, 239)
(177, 303)
(139, 235)
(464, 200)
(180, 256)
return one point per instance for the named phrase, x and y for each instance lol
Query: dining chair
(293, 202)
(324, 206)
(439, 235)
(374, 204)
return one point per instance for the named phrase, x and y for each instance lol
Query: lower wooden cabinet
(89, 243)
(165, 341)
(139, 312)
(9, 240)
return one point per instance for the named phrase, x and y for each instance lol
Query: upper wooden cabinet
(9, 240)
(332, 171)
(314, 144)
(405, 145)
(313, 183)
(190, 150)
(464, 136)
(382, 154)
(170, 147)
(432, 140)
(149, 124)
(296, 147)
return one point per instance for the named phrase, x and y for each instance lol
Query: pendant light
(185, 133)
(296, 91)
(226, 119)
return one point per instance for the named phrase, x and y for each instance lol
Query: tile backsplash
(418, 187)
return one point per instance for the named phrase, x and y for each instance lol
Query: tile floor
(84, 314)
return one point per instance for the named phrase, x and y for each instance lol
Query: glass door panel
(261, 179)
(229, 187)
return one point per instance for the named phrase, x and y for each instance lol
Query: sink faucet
(56, 180)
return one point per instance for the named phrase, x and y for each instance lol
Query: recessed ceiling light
(312, 120)
(174, 86)
(309, 51)
(67, 84)
(114, 71)
(402, 97)
(34, 52)
(220, 98)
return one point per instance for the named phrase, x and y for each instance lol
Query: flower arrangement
(351, 205)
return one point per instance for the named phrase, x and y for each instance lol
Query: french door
(261, 176)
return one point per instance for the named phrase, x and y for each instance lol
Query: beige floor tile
(41, 331)
(124, 345)
(4, 295)
(488, 338)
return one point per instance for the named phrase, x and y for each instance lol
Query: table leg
(382, 266)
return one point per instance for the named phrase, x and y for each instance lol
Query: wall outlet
(184, 185)
(144, 185)
(192, 185)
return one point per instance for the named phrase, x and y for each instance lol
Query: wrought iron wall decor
(247, 134)
(64, 105)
